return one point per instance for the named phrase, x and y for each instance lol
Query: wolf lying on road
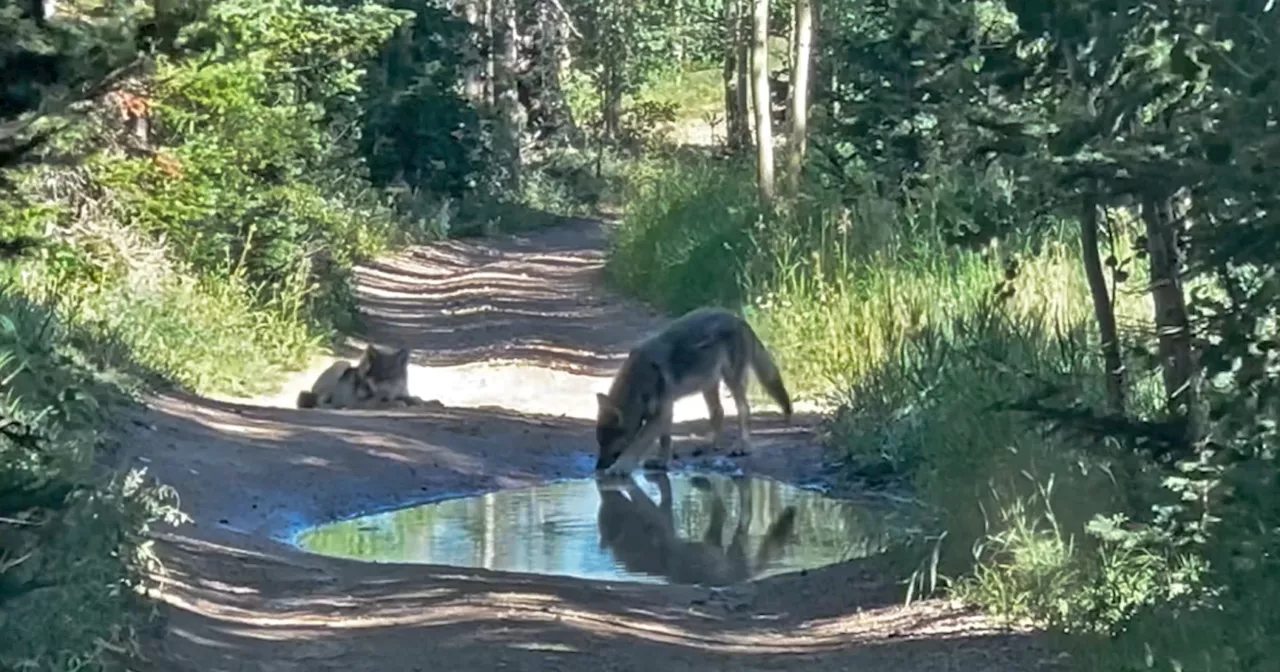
(387, 374)
(693, 354)
(339, 386)
(642, 535)
(379, 378)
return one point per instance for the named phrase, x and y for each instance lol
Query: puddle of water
(684, 528)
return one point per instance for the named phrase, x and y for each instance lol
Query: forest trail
(513, 336)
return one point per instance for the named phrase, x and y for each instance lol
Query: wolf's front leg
(656, 427)
(715, 413)
(660, 462)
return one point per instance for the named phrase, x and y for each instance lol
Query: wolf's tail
(767, 371)
(307, 399)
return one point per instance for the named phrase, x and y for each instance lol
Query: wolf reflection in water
(642, 535)
(681, 527)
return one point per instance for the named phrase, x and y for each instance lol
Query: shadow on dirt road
(536, 299)
(237, 597)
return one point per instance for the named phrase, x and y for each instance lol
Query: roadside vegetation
(1024, 261)
(1025, 269)
(186, 189)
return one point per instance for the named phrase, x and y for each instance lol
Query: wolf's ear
(607, 409)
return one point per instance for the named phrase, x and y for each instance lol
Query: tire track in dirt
(519, 322)
(237, 596)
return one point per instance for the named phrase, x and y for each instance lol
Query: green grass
(695, 93)
(206, 334)
(839, 328)
(912, 343)
(685, 233)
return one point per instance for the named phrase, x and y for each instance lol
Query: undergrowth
(199, 224)
(915, 345)
(74, 552)
(210, 332)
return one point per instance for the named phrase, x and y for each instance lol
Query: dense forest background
(1024, 253)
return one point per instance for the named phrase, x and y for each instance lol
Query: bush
(915, 344)
(417, 130)
(73, 547)
(250, 172)
(222, 203)
(209, 332)
(685, 235)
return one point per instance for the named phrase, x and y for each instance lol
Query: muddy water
(683, 528)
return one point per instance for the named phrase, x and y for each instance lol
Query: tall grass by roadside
(695, 93)
(839, 326)
(200, 333)
(685, 235)
(837, 287)
(208, 332)
(914, 343)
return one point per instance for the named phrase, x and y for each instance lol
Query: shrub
(73, 540)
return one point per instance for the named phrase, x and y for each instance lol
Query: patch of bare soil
(513, 336)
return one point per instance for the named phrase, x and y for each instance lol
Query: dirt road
(513, 336)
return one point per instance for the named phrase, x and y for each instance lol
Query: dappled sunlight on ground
(514, 336)
(517, 386)
(518, 323)
(495, 619)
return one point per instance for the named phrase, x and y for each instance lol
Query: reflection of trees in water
(692, 509)
(549, 527)
(396, 535)
(549, 544)
(827, 529)
(833, 527)
(513, 528)
(412, 533)
(486, 545)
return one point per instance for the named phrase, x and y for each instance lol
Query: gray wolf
(380, 378)
(693, 354)
(387, 374)
(339, 386)
(642, 535)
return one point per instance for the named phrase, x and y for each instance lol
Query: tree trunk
(677, 39)
(732, 114)
(743, 45)
(506, 97)
(474, 68)
(761, 99)
(833, 90)
(552, 56)
(792, 35)
(796, 146)
(611, 100)
(728, 75)
(490, 93)
(1103, 308)
(1174, 333)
